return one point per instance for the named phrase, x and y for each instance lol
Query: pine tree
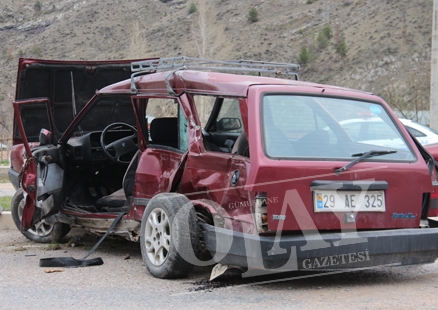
(322, 40)
(304, 56)
(327, 31)
(253, 15)
(341, 48)
(192, 8)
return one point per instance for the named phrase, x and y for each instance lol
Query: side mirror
(229, 124)
(45, 137)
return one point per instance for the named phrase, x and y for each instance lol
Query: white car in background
(371, 130)
(424, 134)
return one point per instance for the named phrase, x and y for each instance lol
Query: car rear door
(163, 139)
(317, 177)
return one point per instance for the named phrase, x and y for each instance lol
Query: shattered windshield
(325, 127)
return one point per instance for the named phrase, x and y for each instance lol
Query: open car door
(41, 176)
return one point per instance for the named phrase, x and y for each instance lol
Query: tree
(341, 47)
(322, 40)
(37, 6)
(192, 8)
(208, 41)
(203, 33)
(6, 116)
(138, 42)
(304, 56)
(253, 15)
(327, 31)
(409, 99)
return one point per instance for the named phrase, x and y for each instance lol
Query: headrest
(164, 129)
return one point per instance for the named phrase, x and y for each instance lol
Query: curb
(6, 221)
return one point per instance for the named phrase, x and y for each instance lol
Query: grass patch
(53, 246)
(5, 203)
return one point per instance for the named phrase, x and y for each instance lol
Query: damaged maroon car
(211, 162)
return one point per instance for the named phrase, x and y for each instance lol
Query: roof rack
(191, 63)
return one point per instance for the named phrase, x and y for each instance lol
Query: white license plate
(348, 201)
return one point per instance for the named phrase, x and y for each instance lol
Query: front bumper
(325, 251)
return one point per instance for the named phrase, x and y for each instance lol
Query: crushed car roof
(214, 83)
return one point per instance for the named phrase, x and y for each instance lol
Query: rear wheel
(41, 232)
(169, 236)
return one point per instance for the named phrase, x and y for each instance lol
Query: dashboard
(88, 149)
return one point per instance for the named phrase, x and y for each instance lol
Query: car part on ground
(73, 262)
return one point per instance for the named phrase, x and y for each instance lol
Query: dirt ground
(123, 281)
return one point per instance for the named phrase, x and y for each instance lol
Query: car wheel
(41, 232)
(169, 236)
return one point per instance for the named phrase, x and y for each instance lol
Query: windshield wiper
(362, 156)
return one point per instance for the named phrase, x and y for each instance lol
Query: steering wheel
(122, 149)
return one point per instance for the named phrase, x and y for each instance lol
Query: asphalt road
(125, 283)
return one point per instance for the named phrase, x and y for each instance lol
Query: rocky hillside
(386, 51)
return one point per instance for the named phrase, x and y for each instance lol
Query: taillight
(433, 206)
(261, 213)
(434, 174)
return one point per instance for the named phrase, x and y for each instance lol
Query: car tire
(41, 232)
(169, 236)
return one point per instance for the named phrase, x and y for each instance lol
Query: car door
(42, 173)
(216, 175)
(163, 147)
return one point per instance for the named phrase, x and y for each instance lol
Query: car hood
(62, 82)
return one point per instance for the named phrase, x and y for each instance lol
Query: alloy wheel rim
(40, 229)
(157, 237)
